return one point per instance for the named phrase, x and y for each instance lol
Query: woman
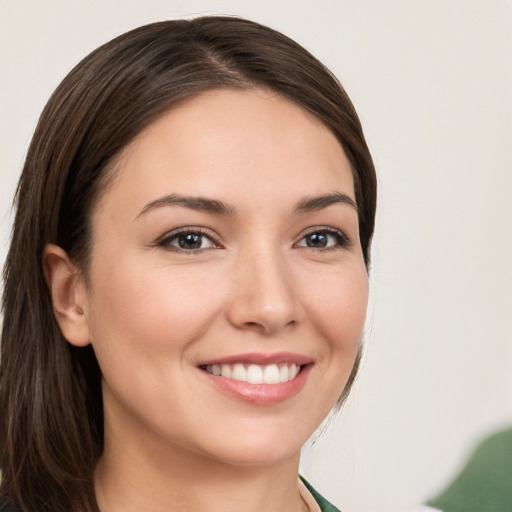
(186, 287)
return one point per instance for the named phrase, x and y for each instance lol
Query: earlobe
(68, 295)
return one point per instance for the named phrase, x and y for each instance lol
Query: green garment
(325, 506)
(485, 483)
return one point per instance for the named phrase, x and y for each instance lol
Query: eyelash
(341, 240)
(165, 241)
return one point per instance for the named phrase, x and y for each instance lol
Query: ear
(68, 293)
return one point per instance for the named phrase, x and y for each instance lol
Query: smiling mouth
(255, 373)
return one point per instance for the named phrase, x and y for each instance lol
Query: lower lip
(261, 394)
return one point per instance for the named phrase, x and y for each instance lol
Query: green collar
(325, 506)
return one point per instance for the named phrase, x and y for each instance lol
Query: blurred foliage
(485, 483)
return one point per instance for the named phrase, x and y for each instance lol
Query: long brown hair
(51, 415)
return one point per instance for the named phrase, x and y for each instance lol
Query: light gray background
(431, 81)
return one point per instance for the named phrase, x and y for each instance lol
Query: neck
(165, 478)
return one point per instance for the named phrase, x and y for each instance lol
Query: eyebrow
(203, 204)
(315, 203)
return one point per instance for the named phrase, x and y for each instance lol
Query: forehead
(235, 146)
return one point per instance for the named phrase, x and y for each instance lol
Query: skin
(154, 311)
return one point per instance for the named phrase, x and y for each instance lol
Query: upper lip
(260, 359)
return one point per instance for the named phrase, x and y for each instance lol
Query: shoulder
(325, 506)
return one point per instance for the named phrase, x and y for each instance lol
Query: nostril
(255, 326)
(268, 327)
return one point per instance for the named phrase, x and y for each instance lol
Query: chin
(260, 447)
(260, 458)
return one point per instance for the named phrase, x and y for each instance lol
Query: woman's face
(227, 242)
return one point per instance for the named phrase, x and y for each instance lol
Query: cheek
(337, 306)
(155, 309)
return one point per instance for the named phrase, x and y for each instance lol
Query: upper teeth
(254, 373)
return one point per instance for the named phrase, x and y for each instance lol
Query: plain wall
(431, 81)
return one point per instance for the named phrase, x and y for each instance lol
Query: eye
(324, 239)
(187, 240)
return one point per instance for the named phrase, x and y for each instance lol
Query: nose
(264, 298)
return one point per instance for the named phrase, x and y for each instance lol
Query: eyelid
(342, 239)
(164, 240)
